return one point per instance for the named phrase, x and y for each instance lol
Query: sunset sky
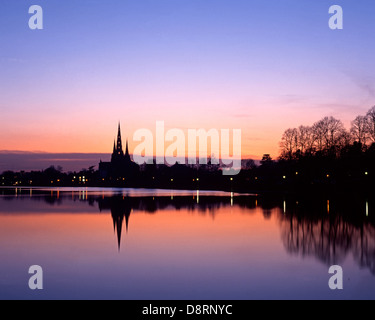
(260, 66)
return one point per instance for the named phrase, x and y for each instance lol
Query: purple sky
(255, 65)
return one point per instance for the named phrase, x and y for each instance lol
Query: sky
(29, 161)
(255, 65)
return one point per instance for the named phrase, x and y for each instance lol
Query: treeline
(324, 157)
(328, 137)
(327, 156)
(151, 176)
(52, 176)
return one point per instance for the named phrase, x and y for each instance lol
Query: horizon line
(24, 152)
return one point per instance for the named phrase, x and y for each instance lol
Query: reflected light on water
(176, 246)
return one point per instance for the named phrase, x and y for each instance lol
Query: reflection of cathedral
(330, 231)
(120, 208)
(121, 167)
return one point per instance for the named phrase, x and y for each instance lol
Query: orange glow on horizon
(98, 142)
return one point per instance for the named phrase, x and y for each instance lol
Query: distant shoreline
(317, 192)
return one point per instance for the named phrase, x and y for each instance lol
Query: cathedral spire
(127, 147)
(119, 150)
(127, 156)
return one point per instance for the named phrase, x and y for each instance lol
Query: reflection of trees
(327, 230)
(327, 240)
(364, 248)
(329, 237)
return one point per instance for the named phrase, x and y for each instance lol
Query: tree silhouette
(360, 129)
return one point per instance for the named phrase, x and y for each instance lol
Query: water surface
(165, 244)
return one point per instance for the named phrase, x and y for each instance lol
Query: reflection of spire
(117, 222)
(120, 208)
(127, 216)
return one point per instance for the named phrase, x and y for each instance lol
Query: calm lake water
(153, 244)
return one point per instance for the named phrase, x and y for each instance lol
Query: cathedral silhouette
(121, 168)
